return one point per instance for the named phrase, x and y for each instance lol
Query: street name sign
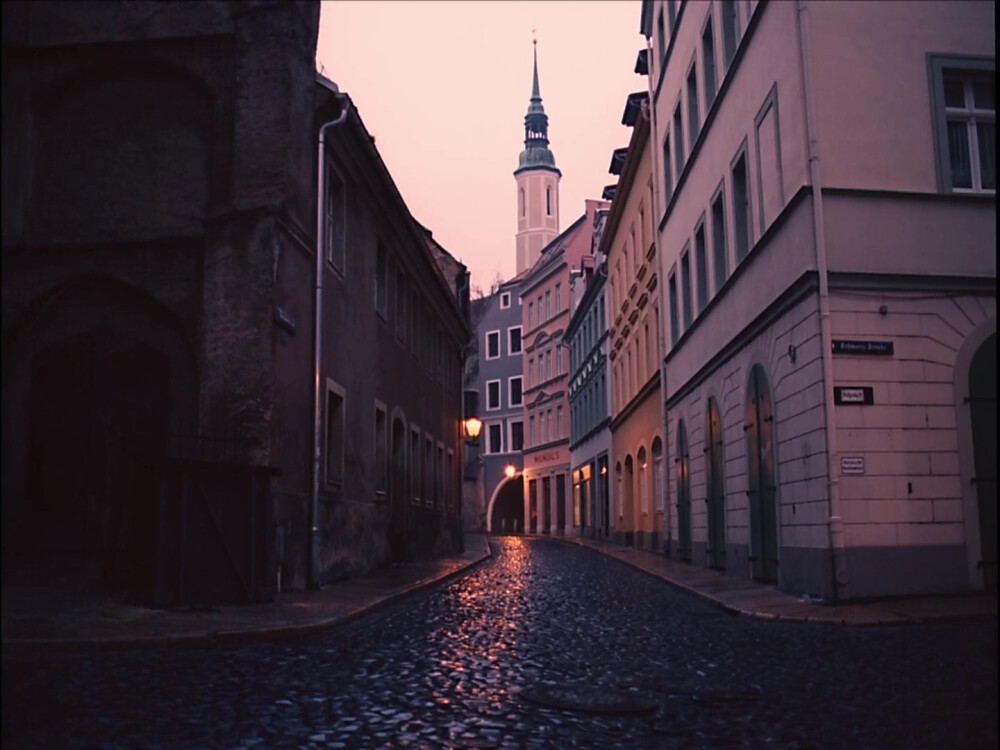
(877, 348)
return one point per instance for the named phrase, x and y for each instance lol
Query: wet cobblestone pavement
(456, 666)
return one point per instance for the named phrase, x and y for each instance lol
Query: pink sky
(444, 86)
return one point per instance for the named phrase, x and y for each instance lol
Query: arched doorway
(630, 515)
(619, 504)
(99, 405)
(683, 494)
(659, 485)
(983, 405)
(715, 490)
(761, 478)
(506, 507)
(397, 523)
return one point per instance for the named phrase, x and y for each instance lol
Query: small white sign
(852, 464)
(853, 395)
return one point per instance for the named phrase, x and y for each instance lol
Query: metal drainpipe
(836, 523)
(661, 336)
(318, 343)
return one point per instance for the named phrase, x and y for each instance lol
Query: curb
(883, 620)
(239, 637)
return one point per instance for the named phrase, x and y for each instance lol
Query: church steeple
(537, 182)
(536, 152)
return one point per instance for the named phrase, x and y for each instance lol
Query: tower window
(522, 201)
(548, 201)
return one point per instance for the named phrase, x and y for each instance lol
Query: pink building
(545, 309)
(827, 246)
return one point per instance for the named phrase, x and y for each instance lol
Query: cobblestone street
(456, 666)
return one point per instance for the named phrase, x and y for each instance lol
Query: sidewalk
(59, 620)
(764, 602)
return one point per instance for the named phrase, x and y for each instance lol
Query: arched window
(548, 201)
(522, 201)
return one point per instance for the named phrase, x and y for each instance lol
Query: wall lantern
(510, 471)
(472, 426)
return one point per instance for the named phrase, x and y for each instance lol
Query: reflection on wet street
(546, 645)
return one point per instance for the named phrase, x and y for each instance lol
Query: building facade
(500, 386)
(826, 235)
(545, 309)
(586, 338)
(175, 425)
(634, 336)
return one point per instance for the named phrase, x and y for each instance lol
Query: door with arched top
(683, 494)
(761, 478)
(715, 494)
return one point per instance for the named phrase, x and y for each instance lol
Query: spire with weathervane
(537, 181)
(536, 129)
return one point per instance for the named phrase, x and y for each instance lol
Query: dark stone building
(171, 426)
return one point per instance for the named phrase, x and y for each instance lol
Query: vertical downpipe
(836, 523)
(314, 576)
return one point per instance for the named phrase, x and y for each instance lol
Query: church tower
(537, 183)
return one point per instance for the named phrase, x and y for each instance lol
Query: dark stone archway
(507, 516)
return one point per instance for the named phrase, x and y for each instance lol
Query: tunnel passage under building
(507, 516)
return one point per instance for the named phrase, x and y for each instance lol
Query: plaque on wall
(876, 348)
(853, 395)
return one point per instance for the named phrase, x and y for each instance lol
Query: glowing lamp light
(510, 471)
(473, 426)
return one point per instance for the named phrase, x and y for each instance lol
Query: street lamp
(472, 426)
(510, 471)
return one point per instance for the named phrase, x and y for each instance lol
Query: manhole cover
(587, 698)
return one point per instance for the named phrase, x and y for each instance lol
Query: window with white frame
(492, 344)
(336, 400)
(963, 95)
(514, 391)
(516, 440)
(708, 62)
(494, 438)
(513, 340)
(492, 395)
(741, 204)
(504, 300)
(558, 298)
(694, 119)
(336, 219)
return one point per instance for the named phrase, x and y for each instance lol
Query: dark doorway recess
(762, 481)
(716, 490)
